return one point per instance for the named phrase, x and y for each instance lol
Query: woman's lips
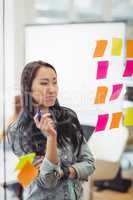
(50, 98)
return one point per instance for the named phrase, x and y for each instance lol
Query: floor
(102, 195)
(9, 195)
(111, 195)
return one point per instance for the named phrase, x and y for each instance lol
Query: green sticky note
(116, 46)
(24, 159)
(128, 118)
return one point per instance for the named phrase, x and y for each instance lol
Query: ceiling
(83, 10)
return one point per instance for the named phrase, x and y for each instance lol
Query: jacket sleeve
(49, 175)
(13, 135)
(85, 162)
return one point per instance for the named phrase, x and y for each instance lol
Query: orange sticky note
(101, 94)
(129, 49)
(27, 174)
(116, 117)
(100, 48)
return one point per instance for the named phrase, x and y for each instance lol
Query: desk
(107, 149)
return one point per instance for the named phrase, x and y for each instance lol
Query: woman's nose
(52, 88)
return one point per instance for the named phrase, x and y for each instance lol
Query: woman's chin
(49, 104)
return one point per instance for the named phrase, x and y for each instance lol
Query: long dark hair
(68, 127)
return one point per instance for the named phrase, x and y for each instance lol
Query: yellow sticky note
(116, 46)
(23, 159)
(128, 118)
(27, 174)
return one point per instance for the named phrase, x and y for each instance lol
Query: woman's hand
(46, 125)
(38, 161)
(73, 173)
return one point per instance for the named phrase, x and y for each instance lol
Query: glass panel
(17, 15)
(1, 101)
(7, 92)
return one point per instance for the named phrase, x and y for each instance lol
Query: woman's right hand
(38, 161)
(46, 125)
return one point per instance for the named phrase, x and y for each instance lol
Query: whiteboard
(110, 146)
(69, 48)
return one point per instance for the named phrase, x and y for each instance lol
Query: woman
(55, 136)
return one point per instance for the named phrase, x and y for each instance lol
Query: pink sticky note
(129, 68)
(102, 69)
(116, 91)
(101, 122)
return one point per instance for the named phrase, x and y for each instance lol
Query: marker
(40, 113)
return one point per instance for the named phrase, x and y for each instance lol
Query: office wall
(17, 14)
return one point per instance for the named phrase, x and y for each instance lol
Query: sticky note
(129, 49)
(27, 174)
(23, 159)
(101, 94)
(128, 68)
(102, 69)
(100, 48)
(101, 122)
(128, 117)
(116, 117)
(116, 90)
(116, 47)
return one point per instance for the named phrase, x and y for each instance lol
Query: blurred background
(14, 16)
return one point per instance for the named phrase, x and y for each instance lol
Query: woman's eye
(55, 82)
(44, 83)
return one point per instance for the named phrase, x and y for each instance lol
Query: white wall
(24, 13)
(17, 14)
(9, 53)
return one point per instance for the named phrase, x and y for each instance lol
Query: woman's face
(44, 87)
